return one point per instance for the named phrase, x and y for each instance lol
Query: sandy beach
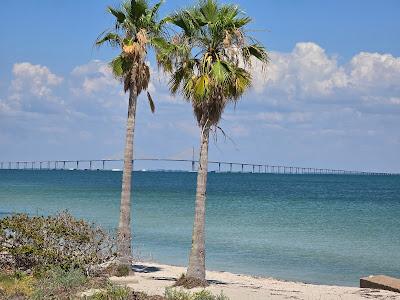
(153, 278)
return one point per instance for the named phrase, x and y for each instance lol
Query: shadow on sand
(145, 269)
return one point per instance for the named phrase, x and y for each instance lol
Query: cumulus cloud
(308, 72)
(369, 71)
(93, 77)
(32, 89)
(95, 91)
(35, 79)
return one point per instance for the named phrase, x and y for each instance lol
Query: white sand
(242, 287)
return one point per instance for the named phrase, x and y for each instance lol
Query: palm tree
(136, 26)
(209, 60)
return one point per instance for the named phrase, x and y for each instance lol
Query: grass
(112, 292)
(180, 294)
(57, 283)
(15, 285)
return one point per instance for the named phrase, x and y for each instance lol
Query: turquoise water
(327, 229)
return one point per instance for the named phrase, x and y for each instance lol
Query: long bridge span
(190, 164)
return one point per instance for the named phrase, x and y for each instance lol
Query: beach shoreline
(152, 278)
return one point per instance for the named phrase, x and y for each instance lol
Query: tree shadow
(216, 282)
(145, 269)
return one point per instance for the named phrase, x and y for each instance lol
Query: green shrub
(115, 269)
(112, 292)
(175, 294)
(62, 240)
(179, 294)
(57, 283)
(122, 270)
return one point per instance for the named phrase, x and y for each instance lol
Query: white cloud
(308, 72)
(374, 80)
(285, 117)
(374, 71)
(32, 90)
(95, 76)
(37, 80)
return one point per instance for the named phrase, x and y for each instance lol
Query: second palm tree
(209, 61)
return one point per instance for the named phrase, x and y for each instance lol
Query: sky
(330, 97)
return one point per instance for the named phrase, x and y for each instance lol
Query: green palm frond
(112, 38)
(219, 72)
(121, 66)
(201, 87)
(118, 14)
(155, 9)
(257, 51)
(242, 81)
(116, 66)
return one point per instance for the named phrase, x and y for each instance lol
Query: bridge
(189, 164)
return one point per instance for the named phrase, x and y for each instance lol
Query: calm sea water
(326, 229)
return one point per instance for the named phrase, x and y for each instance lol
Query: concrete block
(381, 282)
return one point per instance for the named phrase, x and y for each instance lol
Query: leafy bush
(16, 285)
(175, 294)
(30, 242)
(122, 270)
(57, 283)
(112, 292)
(114, 269)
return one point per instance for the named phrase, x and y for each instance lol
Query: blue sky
(330, 98)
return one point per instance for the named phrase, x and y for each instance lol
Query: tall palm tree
(135, 27)
(209, 60)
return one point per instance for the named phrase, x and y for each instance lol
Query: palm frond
(201, 87)
(155, 9)
(117, 66)
(137, 9)
(219, 72)
(257, 51)
(151, 103)
(112, 38)
(118, 14)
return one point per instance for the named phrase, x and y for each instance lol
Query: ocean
(324, 229)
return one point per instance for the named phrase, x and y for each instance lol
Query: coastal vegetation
(61, 257)
(209, 62)
(136, 25)
(36, 243)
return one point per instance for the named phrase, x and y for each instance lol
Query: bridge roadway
(222, 166)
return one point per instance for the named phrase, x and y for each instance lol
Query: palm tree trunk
(197, 268)
(124, 240)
